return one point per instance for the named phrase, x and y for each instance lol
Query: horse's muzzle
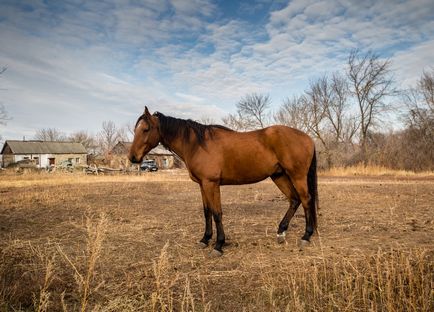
(134, 160)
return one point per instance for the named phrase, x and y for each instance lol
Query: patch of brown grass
(370, 170)
(386, 281)
(127, 243)
(47, 179)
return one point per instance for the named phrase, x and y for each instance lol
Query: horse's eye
(146, 130)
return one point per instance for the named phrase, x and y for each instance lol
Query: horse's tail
(312, 185)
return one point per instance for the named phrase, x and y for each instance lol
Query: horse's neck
(177, 147)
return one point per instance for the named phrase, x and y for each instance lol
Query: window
(77, 160)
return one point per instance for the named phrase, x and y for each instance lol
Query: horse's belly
(247, 173)
(242, 180)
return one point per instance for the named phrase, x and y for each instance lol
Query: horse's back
(278, 139)
(283, 137)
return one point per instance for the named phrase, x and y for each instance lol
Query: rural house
(164, 158)
(43, 153)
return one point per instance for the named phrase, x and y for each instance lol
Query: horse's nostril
(133, 159)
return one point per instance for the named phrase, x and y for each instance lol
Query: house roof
(158, 150)
(44, 147)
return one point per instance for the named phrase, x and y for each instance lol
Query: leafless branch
(254, 107)
(50, 134)
(370, 83)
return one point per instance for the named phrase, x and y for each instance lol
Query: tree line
(346, 113)
(3, 113)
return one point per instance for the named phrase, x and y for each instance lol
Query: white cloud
(409, 64)
(193, 7)
(189, 97)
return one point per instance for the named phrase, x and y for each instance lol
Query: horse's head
(146, 136)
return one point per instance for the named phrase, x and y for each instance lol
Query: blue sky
(73, 64)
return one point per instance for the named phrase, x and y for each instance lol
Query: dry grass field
(70, 242)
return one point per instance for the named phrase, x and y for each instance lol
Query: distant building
(164, 158)
(43, 153)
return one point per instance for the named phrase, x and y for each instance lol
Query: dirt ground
(153, 225)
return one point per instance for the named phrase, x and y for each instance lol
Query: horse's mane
(171, 127)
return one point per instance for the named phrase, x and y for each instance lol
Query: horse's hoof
(216, 253)
(281, 238)
(202, 245)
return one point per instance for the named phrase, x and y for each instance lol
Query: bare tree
(49, 134)
(83, 137)
(4, 117)
(293, 113)
(109, 136)
(317, 100)
(420, 122)
(323, 111)
(206, 120)
(252, 113)
(254, 108)
(420, 101)
(130, 129)
(343, 123)
(237, 122)
(124, 134)
(370, 83)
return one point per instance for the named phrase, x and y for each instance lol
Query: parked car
(148, 165)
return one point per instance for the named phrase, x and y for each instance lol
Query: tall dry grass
(390, 280)
(371, 170)
(9, 179)
(95, 231)
(41, 266)
(42, 303)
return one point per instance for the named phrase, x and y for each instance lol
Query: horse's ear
(147, 113)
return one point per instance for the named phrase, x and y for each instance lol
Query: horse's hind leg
(301, 187)
(285, 186)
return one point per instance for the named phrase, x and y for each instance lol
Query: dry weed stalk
(44, 295)
(162, 297)
(187, 303)
(95, 236)
(206, 306)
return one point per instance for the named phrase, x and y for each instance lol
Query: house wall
(42, 160)
(77, 159)
(7, 160)
(162, 161)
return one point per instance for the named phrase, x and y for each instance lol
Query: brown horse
(215, 155)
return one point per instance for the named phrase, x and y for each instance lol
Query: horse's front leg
(211, 190)
(208, 221)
